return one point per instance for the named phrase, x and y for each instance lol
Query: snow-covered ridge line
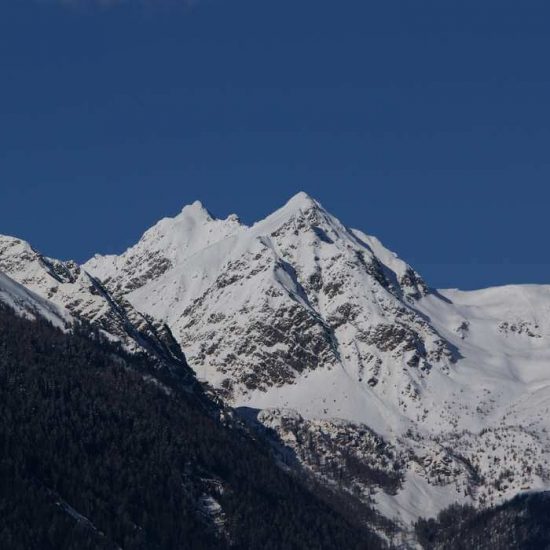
(300, 313)
(169, 276)
(66, 288)
(334, 339)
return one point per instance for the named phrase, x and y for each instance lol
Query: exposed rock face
(349, 355)
(482, 469)
(391, 394)
(520, 328)
(297, 292)
(342, 453)
(84, 297)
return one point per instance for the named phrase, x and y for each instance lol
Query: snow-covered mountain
(336, 350)
(69, 290)
(258, 308)
(331, 337)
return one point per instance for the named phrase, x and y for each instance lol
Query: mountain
(81, 296)
(99, 452)
(340, 354)
(260, 306)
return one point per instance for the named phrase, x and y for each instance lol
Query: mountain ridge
(83, 297)
(337, 342)
(323, 320)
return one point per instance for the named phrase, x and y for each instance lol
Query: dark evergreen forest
(102, 450)
(523, 523)
(97, 452)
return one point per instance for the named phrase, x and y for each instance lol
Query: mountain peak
(198, 211)
(301, 201)
(296, 206)
(301, 213)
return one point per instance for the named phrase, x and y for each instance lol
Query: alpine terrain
(100, 451)
(394, 400)
(410, 397)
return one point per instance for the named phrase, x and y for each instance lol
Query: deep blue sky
(426, 123)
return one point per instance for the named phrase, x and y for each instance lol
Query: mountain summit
(258, 308)
(331, 337)
(330, 346)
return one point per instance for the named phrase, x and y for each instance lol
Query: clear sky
(426, 123)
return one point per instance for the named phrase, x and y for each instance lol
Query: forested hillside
(522, 523)
(97, 453)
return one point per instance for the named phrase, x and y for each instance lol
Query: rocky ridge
(395, 394)
(83, 297)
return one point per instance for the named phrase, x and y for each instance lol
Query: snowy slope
(74, 291)
(31, 306)
(163, 247)
(292, 293)
(317, 325)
